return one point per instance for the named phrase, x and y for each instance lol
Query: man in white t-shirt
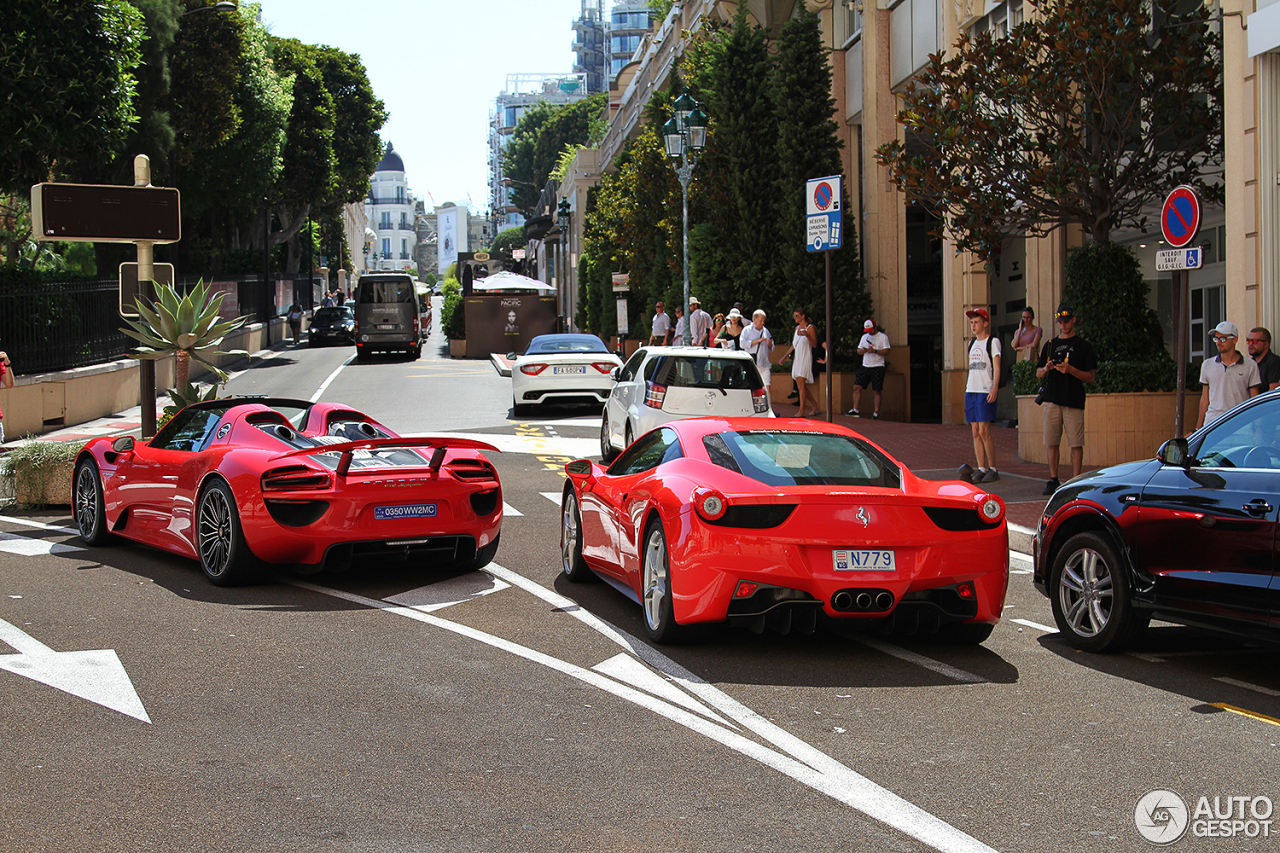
(872, 347)
(699, 322)
(758, 341)
(661, 325)
(1227, 380)
(980, 396)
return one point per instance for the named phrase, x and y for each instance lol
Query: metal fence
(54, 326)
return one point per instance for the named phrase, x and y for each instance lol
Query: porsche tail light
(532, 369)
(655, 394)
(605, 367)
(295, 478)
(759, 401)
(965, 590)
(745, 589)
(709, 504)
(990, 508)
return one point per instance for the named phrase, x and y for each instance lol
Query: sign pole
(146, 274)
(827, 256)
(1179, 222)
(1180, 289)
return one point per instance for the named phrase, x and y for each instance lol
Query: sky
(437, 65)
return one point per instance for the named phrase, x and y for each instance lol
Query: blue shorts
(977, 409)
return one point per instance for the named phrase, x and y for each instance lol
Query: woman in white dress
(804, 339)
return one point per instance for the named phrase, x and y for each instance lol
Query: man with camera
(1066, 363)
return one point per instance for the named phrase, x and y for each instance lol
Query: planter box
(1117, 427)
(57, 488)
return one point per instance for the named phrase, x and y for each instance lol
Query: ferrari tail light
(745, 589)
(966, 590)
(655, 394)
(709, 504)
(295, 478)
(604, 367)
(532, 369)
(990, 509)
(759, 401)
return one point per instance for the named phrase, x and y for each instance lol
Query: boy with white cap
(872, 347)
(1227, 380)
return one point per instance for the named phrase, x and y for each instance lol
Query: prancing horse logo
(862, 516)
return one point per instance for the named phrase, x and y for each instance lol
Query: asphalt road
(397, 709)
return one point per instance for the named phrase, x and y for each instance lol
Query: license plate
(844, 560)
(579, 369)
(382, 513)
(386, 327)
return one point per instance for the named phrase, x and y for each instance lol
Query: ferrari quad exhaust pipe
(862, 601)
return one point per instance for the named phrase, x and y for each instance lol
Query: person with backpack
(980, 396)
(1066, 364)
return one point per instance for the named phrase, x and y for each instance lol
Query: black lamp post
(563, 215)
(684, 136)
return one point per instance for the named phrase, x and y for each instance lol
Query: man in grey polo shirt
(1227, 380)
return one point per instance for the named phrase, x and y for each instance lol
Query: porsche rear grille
(470, 469)
(436, 549)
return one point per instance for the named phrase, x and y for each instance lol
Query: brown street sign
(129, 289)
(103, 213)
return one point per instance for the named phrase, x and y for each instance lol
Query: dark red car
(244, 484)
(772, 522)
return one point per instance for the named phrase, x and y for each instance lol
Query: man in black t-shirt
(1066, 363)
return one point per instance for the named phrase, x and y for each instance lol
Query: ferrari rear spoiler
(348, 448)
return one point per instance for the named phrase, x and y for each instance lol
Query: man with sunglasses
(1227, 380)
(1066, 364)
(1259, 343)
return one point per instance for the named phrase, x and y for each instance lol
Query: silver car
(661, 384)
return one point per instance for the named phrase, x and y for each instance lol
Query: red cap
(979, 312)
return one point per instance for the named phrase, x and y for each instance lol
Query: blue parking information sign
(823, 229)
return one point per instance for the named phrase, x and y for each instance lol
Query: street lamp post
(563, 216)
(684, 136)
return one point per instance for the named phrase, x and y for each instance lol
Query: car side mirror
(124, 444)
(583, 471)
(1175, 452)
(615, 373)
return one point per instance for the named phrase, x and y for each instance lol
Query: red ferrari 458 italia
(768, 523)
(244, 483)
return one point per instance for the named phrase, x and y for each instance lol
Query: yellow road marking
(1245, 713)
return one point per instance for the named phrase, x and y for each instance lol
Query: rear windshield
(381, 292)
(576, 343)
(694, 371)
(328, 315)
(802, 459)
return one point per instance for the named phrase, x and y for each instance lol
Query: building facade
(390, 210)
(590, 47)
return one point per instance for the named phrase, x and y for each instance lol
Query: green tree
(1077, 117)
(358, 117)
(807, 147)
(509, 238)
(69, 72)
(540, 137)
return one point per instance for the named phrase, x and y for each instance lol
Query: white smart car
(564, 368)
(661, 384)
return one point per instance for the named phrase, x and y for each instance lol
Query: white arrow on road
(94, 675)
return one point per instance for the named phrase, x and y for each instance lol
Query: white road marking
(554, 497)
(574, 448)
(324, 386)
(97, 676)
(508, 511)
(834, 779)
(1035, 625)
(25, 546)
(919, 660)
(1159, 657)
(27, 522)
(1020, 558)
(1246, 685)
(447, 593)
(629, 670)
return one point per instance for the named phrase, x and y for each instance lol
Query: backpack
(1006, 365)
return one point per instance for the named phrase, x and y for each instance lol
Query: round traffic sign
(1180, 218)
(822, 196)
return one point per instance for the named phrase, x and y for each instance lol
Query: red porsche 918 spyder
(768, 523)
(243, 483)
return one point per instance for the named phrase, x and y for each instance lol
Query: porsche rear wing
(347, 449)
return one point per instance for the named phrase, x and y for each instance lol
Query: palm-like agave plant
(186, 326)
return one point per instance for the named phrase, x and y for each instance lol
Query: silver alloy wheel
(657, 577)
(606, 449)
(213, 533)
(87, 509)
(568, 533)
(1086, 593)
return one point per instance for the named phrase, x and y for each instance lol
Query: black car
(1187, 537)
(331, 325)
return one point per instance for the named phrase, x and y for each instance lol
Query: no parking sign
(1180, 217)
(822, 214)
